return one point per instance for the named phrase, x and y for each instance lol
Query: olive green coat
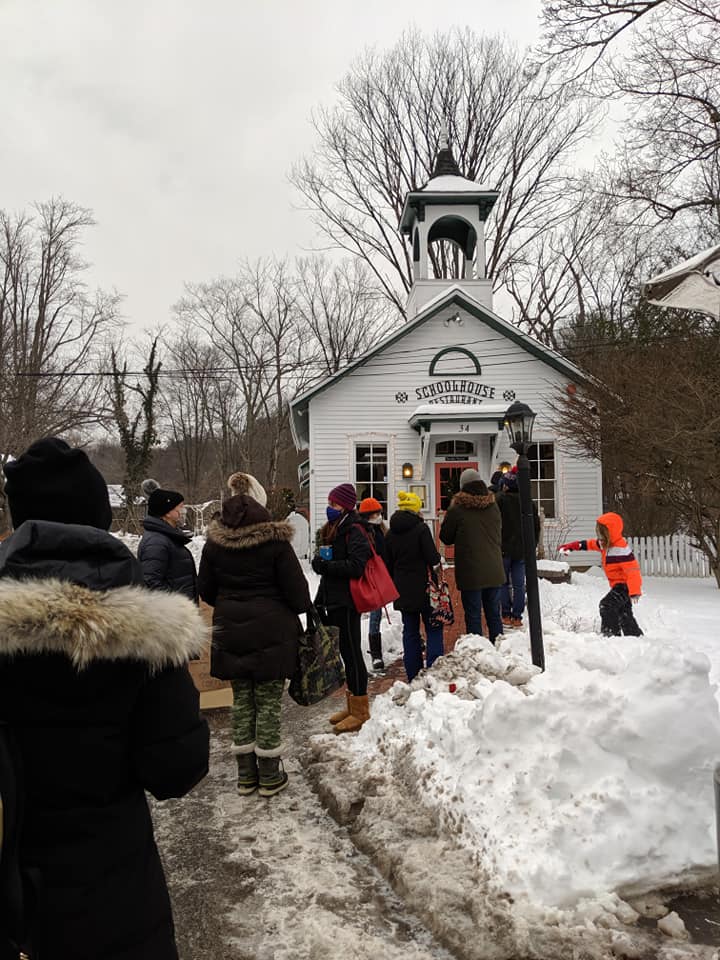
(474, 527)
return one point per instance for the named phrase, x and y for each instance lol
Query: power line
(384, 360)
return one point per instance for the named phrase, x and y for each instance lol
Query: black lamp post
(519, 420)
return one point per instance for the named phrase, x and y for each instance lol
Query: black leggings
(350, 648)
(616, 613)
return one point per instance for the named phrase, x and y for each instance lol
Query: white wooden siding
(362, 406)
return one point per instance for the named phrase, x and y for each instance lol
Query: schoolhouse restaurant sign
(449, 387)
(452, 391)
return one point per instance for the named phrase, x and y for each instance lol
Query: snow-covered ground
(580, 788)
(575, 792)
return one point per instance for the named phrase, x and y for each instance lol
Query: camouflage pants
(256, 712)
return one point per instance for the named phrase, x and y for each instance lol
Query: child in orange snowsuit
(623, 573)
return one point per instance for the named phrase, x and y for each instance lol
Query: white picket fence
(670, 556)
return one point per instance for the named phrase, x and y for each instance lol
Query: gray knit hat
(469, 476)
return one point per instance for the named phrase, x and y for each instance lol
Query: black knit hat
(54, 481)
(162, 501)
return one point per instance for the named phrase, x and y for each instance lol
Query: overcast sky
(177, 121)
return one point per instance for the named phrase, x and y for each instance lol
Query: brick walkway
(396, 671)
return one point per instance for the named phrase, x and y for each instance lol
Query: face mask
(376, 521)
(333, 514)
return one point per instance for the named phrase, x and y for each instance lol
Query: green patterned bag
(319, 671)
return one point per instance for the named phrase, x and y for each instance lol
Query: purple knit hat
(344, 494)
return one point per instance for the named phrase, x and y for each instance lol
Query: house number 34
(463, 428)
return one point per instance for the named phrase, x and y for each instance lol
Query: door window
(447, 482)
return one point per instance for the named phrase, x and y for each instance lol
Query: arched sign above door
(473, 369)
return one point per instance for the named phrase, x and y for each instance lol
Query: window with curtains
(371, 472)
(543, 482)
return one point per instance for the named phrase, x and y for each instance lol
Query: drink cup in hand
(326, 552)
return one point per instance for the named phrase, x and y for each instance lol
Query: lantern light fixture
(407, 471)
(519, 421)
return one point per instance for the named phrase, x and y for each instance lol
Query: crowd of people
(97, 705)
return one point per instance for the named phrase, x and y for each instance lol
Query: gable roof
(453, 295)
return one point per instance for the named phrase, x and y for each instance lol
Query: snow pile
(569, 786)
(553, 566)
(468, 672)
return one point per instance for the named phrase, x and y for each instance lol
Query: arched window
(451, 247)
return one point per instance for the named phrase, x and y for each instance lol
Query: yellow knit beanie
(409, 501)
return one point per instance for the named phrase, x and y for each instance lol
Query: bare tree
(510, 126)
(52, 328)
(137, 429)
(668, 73)
(342, 309)
(654, 422)
(188, 398)
(252, 322)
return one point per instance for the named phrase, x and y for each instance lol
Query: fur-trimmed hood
(125, 623)
(242, 538)
(473, 501)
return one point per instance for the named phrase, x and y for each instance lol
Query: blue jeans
(375, 621)
(515, 575)
(486, 600)
(412, 642)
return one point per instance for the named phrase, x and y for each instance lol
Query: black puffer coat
(95, 690)
(250, 573)
(473, 525)
(11, 893)
(351, 551)
(378, 532)
(166, 562)
(410, 550)
(510, 513)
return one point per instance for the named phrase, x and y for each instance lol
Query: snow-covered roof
(471, 412)
(706, 261)
(692, 285)
(466, 411)
(451, 184)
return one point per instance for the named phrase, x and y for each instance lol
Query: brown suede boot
(341, 714)
(359, 713)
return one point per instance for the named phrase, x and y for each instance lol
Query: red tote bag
(375, 588)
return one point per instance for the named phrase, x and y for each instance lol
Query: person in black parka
(513, 603)
(411, 557)
(473, 526)
(347, 539)
(250, 574)
(96, 694)
(166, 562)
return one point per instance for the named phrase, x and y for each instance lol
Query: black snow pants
(350, 648)
(616, 615)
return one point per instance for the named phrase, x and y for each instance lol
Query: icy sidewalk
(255, 879)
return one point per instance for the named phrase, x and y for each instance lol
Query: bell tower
(453, 209)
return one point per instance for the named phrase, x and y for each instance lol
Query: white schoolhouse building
(428, 400)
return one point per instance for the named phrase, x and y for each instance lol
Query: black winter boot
(247, 781)
(273, 778)
(376, 651)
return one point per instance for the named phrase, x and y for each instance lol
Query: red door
(447, 484)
